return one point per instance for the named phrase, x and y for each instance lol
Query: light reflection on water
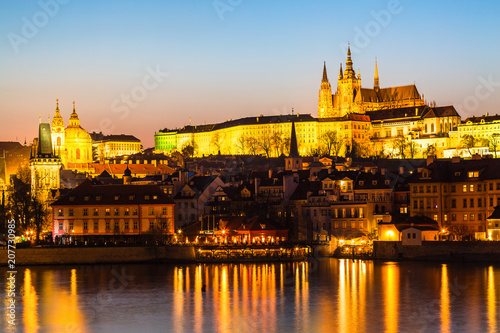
(328, 295)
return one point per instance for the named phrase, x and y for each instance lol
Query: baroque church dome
(77, 141)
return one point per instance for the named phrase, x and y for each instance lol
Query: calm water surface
(328, 295)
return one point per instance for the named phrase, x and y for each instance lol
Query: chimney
(430, 159)
(455, 159)
(270, 172)
(382, 171)
(476, 157)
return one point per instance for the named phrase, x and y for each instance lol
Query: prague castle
(392, 122)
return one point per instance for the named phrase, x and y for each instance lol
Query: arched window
(432, 128)
(425, 128)
(58, 140)
(77, 153)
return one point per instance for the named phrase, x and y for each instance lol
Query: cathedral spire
(375, 80)
(341, 75)
(325, 77)
(349, 72)
(74, 107)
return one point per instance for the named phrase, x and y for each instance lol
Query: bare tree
(332, 142)
(400, 145)
(468, 142)
(216, 142)
(430, 151)
(277, 143)
(494, 141)
(461, 231)
(265, 143)
(412, 148)
(240, 144)
(252, 145)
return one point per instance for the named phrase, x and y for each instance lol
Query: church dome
(78, 142)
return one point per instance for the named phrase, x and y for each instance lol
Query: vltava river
(326, 295)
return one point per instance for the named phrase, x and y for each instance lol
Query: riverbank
(139, 254)
(438, 251)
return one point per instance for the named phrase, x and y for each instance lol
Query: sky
(135, 67)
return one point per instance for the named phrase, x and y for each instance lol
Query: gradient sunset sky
(228, 59)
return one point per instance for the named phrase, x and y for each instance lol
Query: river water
(324, 295)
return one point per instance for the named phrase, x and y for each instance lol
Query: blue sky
(225, 59)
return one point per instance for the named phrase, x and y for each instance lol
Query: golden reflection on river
(492, 300)
(328, 296)
(445, 300)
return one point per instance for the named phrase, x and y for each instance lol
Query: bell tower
(325, 104)
(57, 133)
(349, 85)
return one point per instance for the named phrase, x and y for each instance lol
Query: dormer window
(131, 197)
(473, 174)
(117, 197)
(71, 198)
(374, 182)
(361, 183)
(457, 173)
(86, 198)
(98, 198)
(387, 182)
(146, 197)
(155, 197)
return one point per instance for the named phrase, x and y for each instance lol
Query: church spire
(294, 149)
(349, 72)
(325, 77)
(73, 119)
(341, 75)
(375, 80)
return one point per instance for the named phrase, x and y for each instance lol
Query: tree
(286, 145)
(240, 144)
(216, 142)
(277, 143)
(494, 141)
(461, 231)
(265, 143)
(332, 142)
(400, 145)
(361, 149)
(252, 145)
(189, 149)
(430, 151)
(412, 148)
(24, 206)
(468, 142)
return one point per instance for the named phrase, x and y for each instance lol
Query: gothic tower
(325, 103)
(57, 133)
(44, 165)
(348, 87)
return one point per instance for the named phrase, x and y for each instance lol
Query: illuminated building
(73, 144)
(111, 210)
(111, 146)
(367, 122)
(458, 194)
(44, 165)
(486, 133)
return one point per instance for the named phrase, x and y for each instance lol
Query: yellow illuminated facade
(367, 122)
(72, 144)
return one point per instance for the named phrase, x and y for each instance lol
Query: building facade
(92, 210)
